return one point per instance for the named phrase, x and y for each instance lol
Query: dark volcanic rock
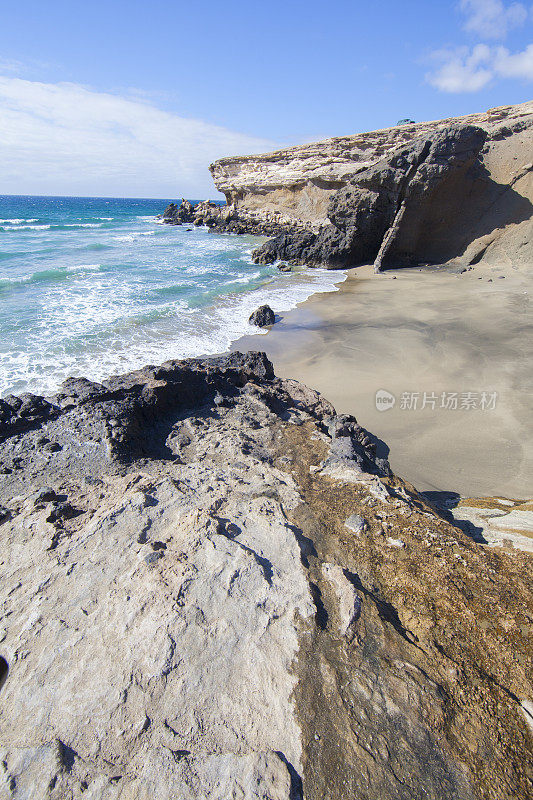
(262, 317)
(177, 215)
(225, 219)
(43, 496)
(18, 414)
(394, 208)
(62, 511)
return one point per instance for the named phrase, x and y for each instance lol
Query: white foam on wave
(17, 228)
(81, 225)
(83, 267)
(16, 221)
(110, 320)
(132, 237)
(244, 278)
(120, 342)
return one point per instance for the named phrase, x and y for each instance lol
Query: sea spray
(95, 286)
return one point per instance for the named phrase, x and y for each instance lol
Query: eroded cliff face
(212, 586)
(480, 212)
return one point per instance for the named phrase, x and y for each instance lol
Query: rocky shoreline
(457, 190)
(223, 219)
(213, 586)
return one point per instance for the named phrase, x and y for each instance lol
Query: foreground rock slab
(199, 599)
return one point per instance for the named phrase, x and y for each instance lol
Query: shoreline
(146, 295)
(433, 330)
(355, 333)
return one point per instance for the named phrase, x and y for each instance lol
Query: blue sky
(135, 98)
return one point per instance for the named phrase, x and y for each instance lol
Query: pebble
(356, 523)
(43, 496)
(395, 542)
(153, 558)
(232, 529)
(62, 511)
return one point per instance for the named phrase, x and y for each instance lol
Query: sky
(135, 99)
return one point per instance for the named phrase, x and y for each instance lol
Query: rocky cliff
(212, 586)
(459, 189)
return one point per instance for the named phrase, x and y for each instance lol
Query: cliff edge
(455, 190)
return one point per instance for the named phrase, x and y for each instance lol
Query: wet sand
(436, 331)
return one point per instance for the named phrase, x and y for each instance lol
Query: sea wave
(155, 294)
(55, 275)
(17, 228)
(111, 344)
(84, 268)
(132, 237)
(172, 291)
(16, 221)
(97, 246)
(67, 225)
(43, 276)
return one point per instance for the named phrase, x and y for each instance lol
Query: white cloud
(68, 139)
(469, 70)
(492, 19)
(462, 70)
(517, 65)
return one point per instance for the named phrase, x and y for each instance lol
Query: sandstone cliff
(482, 211)
(212, 586)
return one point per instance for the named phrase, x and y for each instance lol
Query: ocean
(99, 286)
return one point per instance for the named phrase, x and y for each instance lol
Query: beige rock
(207, 626)
(295, 185)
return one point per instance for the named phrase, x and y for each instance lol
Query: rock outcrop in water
(212, 586)
(456, 190)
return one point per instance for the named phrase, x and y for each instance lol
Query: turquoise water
(96, 286)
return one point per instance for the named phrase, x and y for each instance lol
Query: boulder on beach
(262, 317)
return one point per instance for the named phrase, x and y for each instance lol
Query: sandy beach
(454, 351)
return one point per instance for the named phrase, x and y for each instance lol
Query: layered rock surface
(457, 189)
(212, 586)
